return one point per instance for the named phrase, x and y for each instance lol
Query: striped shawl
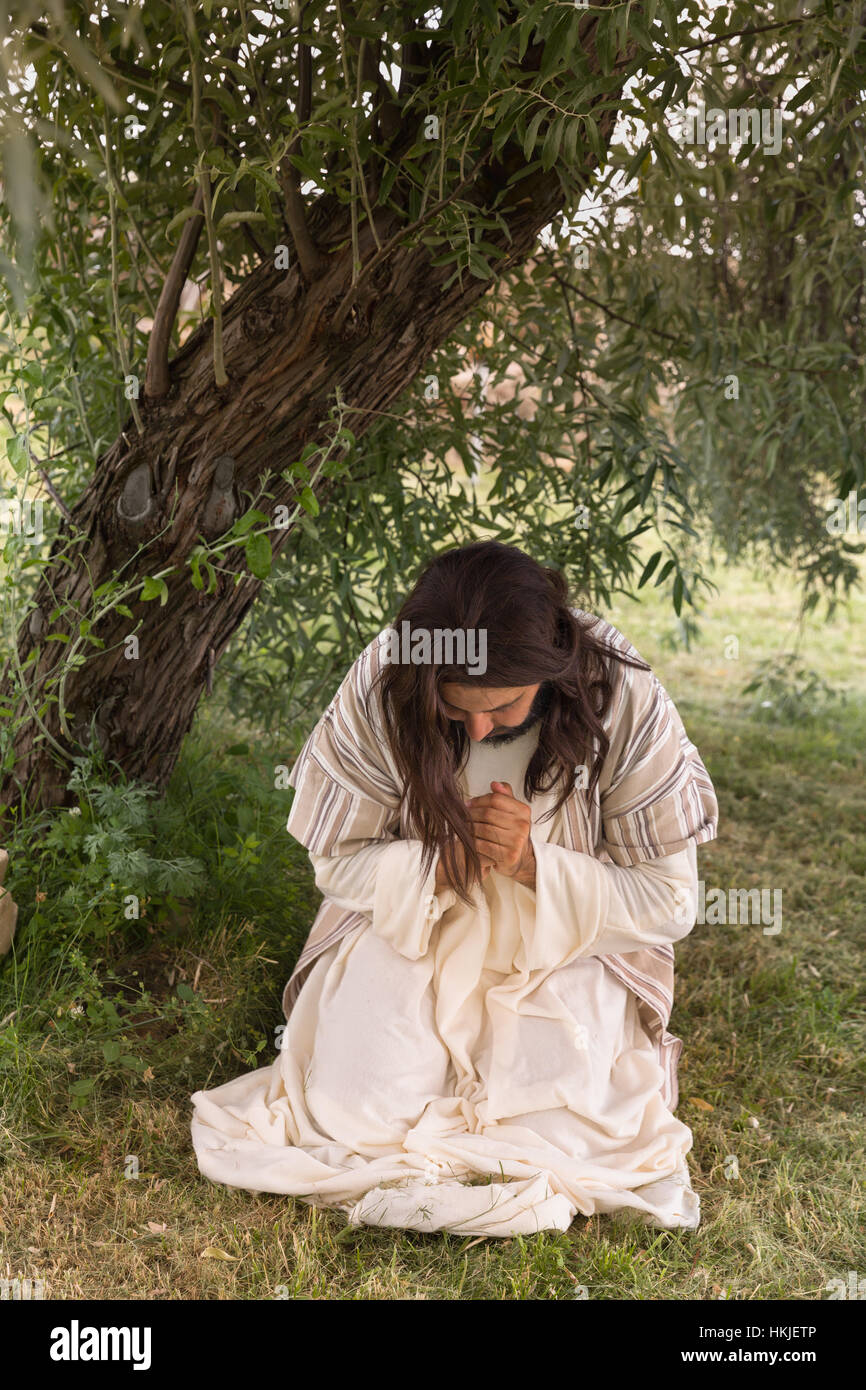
(654, 795)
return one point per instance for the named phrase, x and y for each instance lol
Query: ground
(108, 1024)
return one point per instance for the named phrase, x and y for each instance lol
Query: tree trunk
(284, 359)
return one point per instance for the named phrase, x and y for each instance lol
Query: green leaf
(593, 135)
(258, 555)
(669, 14)
(679, 586)
(550, 148)
(496, 51)
(479, 266)
(155, 588)
(249, 519)
(16, 452)
(605, 39)
(649, 568)
(308, 499)
(531, 136)
(232, 219)
(183, 216)
(665, 571)
(527, 25)
(570, 142)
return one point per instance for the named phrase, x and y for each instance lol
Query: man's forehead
(481, 698)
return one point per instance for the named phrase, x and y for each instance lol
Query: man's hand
(502, 825)
(486, 865)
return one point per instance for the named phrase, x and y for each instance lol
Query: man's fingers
(501, 797)
(493, 835)
(501, 831)
(489, 838)
(515, 810)
(501, 819)
(500, 801)
(494, 852)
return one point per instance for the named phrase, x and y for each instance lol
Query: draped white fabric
(476, 1070)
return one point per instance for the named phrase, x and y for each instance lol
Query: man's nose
(478, 726)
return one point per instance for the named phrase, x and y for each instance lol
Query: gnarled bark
(286, 349)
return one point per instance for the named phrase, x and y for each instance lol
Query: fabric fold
(496, 1066)
(607, 909)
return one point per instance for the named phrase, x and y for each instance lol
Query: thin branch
(248, 233)
(145, 288)
(353, 151)
(262, 103)
(142, 241)
(205, 181)
(220, 376)
(157, 378)
(612, 314)
(744, 33)
(115, 293)
(311, 260)
(682, 343)
(54, 495)
(364, 194)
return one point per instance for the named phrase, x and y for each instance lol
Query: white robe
(478, 1071)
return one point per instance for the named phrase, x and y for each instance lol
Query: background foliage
(683, 266)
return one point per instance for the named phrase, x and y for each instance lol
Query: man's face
(494, 714)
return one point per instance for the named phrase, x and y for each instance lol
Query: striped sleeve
(655, 793)
(346, 795)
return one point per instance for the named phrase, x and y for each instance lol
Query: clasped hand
(501, 826)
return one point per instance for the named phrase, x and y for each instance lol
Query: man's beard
(540, 705)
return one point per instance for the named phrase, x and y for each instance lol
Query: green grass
(188, 996)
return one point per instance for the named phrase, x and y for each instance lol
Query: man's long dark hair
(532, 636)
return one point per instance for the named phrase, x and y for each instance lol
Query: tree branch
(157, 379)
(54, 495)
(115, 268)
(311, 260)
(744, 33)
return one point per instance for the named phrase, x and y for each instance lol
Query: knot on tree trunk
(263, 318)
(222, 506)
(137, 505)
